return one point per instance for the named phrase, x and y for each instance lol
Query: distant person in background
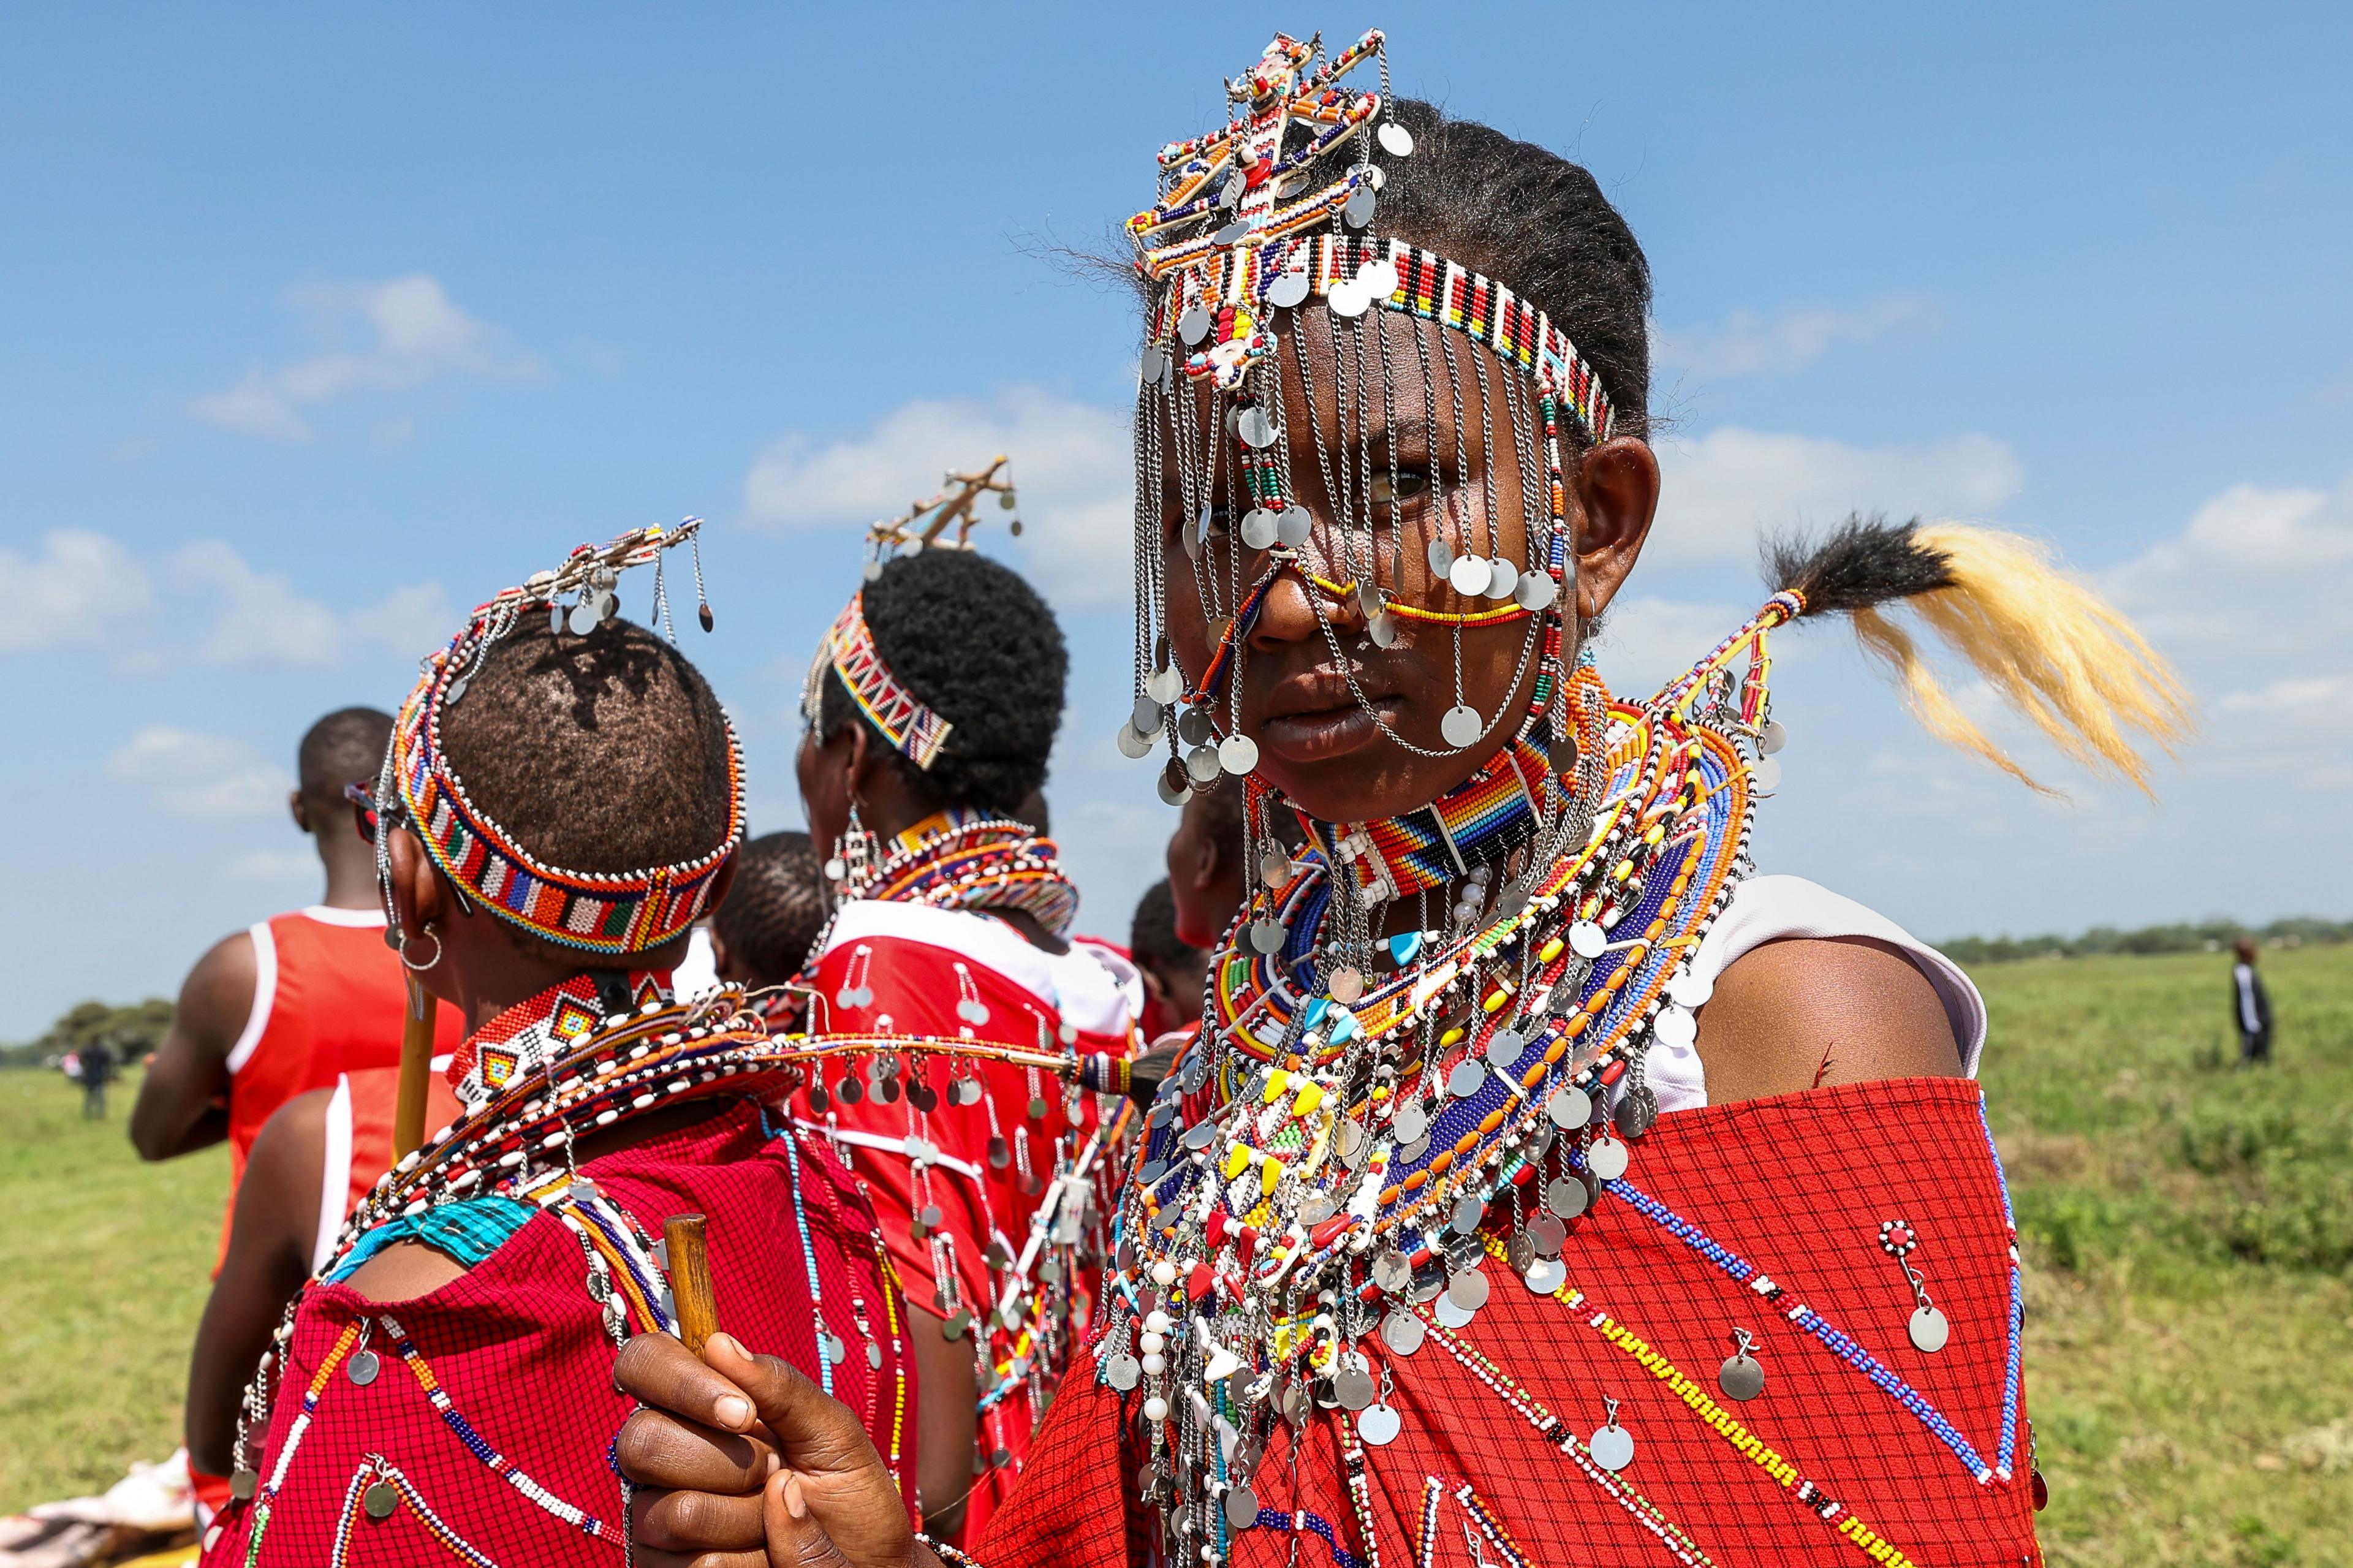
(773, 915)
(97, 1069)
(1173, 969)
(2250, 1007)
(293, 1001)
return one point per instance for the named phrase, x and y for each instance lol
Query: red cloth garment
(910, 969)
(1861, 1447)
(359, 1136)
(482, 1429)
(328, 997)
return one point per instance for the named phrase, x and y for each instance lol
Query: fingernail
(735, 1411)
(794, 1503)
(775, 1463)
(729, 1343)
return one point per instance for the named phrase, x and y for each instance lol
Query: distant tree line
(130, 1033)
(2206, 936)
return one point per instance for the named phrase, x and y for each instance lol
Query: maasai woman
(1543, 1189)
(444, 1385)
(932, 707)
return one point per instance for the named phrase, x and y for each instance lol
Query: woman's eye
(1406, 486)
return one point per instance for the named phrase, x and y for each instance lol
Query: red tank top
(328, 997)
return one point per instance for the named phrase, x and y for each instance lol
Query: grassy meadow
(2188, 1230)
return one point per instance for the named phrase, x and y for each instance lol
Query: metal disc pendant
(1772, 738)
(1368, 599)
(1122, 1370)
(1449, 1315)
(1393, 1274)
(1256, 429)
(1347, 300)
(1274, 869)
(1346, 986)
(1287, 290)
(1146, 716)
(1132, 746)
(1442, 555)
(1503, 1047)
(1292, 527)
(242, 1484)
(1535, 591)
(1410, 1122)
(1606, 1158)
(1545, 1276)
(1570, 1108)
(1612, 1447)
(1352, 1389)
(1462, 726)
(1470, 574)
(1549, 1232)
(1564, 1197)
(1586, 940)
(1241, 1507)
(1233, 234)
(1766, 772)
(1379, 1425)
(380, 1500)
(1676, 1027)
(1236, 187)
(1359, 212)
(361, 1368)
(1395, 140)
(1193, 326)
(1382, 629)
(972, 1013)
(1151, 369)
(1172, 794)
(583, 621)
(1466, 1078)
(1691, 991)
(1165, 685)
(555, 618)
(1193, 726)
(1468, 1212)
(1238, 753)
(1468, 1290)
(1930, 1330)
(1267, 935)
(1502, 579)
(1378, 279)
(1743, 1377)
(1258, 528)
(1202, 763)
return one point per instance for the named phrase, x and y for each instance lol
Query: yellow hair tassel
(2054, 650)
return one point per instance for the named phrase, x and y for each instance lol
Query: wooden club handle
(690, 1280)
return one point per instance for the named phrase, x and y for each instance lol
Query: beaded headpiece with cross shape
(613, 913)
(1247, 235)
(898, 715)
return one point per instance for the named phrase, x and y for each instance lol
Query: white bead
(1153, 1344)
(1155, 1364)
(1156, 1322)
(1164, 1273)
(1155, 1409)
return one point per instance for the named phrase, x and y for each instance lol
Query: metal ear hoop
(412, 965)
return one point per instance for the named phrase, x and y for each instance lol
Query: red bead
(1200, 1282)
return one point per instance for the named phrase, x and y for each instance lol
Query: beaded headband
(602, 912)
(849, 648)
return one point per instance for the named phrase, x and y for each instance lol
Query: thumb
(795, 1538)
(813, 1431)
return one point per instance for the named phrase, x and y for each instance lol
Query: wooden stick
(690, 1280)
(415, 1069)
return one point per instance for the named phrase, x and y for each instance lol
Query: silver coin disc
(1766, 772)
(1347, 300)
(1606, 1158)
(1403, 1332)
(1256, 429)
(1571, 1108)
(1470, 574)
(1564, 1197)
(1359, 212)
(1930, 1330)
(1535, 591)
(1690, 990)
(1267, 935)
(1132, 745)
(1241, 1507)
(1451, 1315)
(362, 1368)
(1502, 579)
(1772, 738)
(1545, 1276)
(1586, 940)
(1441, 555)
(1676, 1026)
(1743, 1377)
(1462, 726)
(1202, 763)
(1612, 1447)
(1382, 629)
(1378, 279)
(1347, 985)
(1292, 527)
(1410, 1122)
(1395, 140)
(1239, 754)
(1287, 290)
(1467, 1289)
(1379, 1425)
(1165, 685)
(1503, 1047)
(1258, 528)
(1549, 1232)
(1193, 326)
(1466, 1078)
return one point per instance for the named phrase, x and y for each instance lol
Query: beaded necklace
(961, 860)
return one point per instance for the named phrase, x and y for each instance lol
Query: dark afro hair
(603, 753)
(775, 911)
(343, 748)
(1151, 936)
(977, 645)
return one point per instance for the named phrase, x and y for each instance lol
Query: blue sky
(319, 323)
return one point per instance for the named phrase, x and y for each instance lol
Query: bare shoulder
(403, 1272)
(1810, 1012)
(216, 998)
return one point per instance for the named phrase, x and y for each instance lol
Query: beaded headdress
(596, 912)
(1245, 236)
(898, 714)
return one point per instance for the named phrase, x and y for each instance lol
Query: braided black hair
(604, 753)
(976, 644)
(775, 908)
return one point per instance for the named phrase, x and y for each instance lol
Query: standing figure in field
(2250, 1007)
(931, 708)
(1544, 1185)
(562, 798)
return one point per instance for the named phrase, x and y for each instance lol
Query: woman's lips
(1319, 735)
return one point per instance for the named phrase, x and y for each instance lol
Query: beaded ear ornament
(601, 912)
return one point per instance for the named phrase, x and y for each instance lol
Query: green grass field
(2189, 1231)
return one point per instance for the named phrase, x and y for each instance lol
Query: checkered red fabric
(509, 1461)
(1840, 1460)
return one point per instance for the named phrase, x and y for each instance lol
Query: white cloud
(1718, 492)
(205, 777)
(68, 594)
(392, 336)
(1792, 336)
(2258, 577)
(1646, 642)
(272, 866)
(412, 620)
(1073, 463)
(263, 620)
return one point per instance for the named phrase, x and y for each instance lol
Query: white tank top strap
(1776, 909)
(334, 1174)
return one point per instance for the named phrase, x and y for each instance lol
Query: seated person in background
(444, 1386)
(773, 915)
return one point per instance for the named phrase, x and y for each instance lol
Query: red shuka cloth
(517, 1346)
(1798, 1186)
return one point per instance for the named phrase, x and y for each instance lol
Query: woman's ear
(1617, 485)
(418, 894)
